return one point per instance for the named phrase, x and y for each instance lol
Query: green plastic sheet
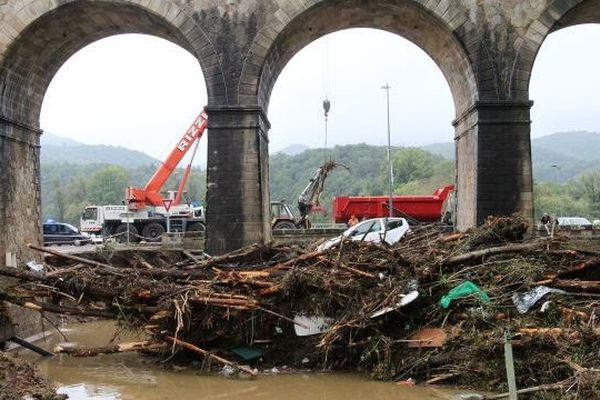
(465, 289)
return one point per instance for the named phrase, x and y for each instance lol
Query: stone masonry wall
(485, 48)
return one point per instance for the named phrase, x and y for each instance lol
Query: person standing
(546, 221)
(352, 221)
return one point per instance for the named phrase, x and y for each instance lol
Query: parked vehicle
(574, 223)
(60, 233)
(421, 208)
(389, 230)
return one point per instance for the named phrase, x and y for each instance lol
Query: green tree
(412, 164)
(591, 185)
(107, 186)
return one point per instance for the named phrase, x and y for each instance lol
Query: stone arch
(50, 36)
(36, 38)
(276, 44)
(558, 15)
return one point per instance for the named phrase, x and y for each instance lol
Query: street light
(558, 171)
(387, 88)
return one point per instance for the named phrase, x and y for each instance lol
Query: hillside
(56, 149)
(556, 158)
(95, 154)
(79, 174)
(578, 145)
(292, 149)
(50, 139)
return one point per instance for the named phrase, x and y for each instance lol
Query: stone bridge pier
(485, 49)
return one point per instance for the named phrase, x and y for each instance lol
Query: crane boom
(138, 198)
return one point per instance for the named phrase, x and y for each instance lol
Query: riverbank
(19, 379)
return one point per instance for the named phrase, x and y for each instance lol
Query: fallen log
(225, 302)
(23, 275)
(478, 254)
(64, 271)
(357, 271)
(81, 260)
(533, 389)
(574, 284)
(269, 291)
(237, 255)
(288, 264)
(39, 306)
(452, 238)
(107, 268)
(115, 348)
(252, 372)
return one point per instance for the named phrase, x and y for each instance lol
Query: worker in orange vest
(352, 221)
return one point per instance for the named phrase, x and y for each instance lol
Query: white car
(390, 230)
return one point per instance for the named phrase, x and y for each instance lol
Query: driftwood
(81, 260)
(116, 348)
(575, 284)
(198, 350)
(452, 238)
(478, 254)
(533, 389)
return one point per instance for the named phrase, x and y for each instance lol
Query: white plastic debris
(227, 371)
(471, 396)
(524, 301)
(34, 266)
(313, 325)
(546, 306)
(406, 299)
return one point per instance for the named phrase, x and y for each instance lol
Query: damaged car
(389, 230)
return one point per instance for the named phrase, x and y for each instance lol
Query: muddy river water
(131, 376)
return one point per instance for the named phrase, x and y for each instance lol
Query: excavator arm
(138, 198)
(309, 199)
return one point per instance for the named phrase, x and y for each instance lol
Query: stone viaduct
(485, 49)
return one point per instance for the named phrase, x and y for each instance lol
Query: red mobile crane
(145, 209)
(139, 198)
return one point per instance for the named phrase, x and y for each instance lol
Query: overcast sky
(142, 92)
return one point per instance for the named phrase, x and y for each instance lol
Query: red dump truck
(427, 208)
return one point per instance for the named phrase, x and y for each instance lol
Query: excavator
(309, 201)
(145, 210)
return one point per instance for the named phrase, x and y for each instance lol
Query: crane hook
(326, 107)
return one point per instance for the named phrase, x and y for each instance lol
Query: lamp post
(387, 88)
(557, 169)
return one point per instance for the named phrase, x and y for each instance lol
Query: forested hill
(415, 172)
(69, 185)
(556, 158)
(56, 149)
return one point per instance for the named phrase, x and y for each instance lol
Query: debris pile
(19, 380)
(434, 308)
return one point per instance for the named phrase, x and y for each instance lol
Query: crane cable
(326, 108)
(326, 89)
